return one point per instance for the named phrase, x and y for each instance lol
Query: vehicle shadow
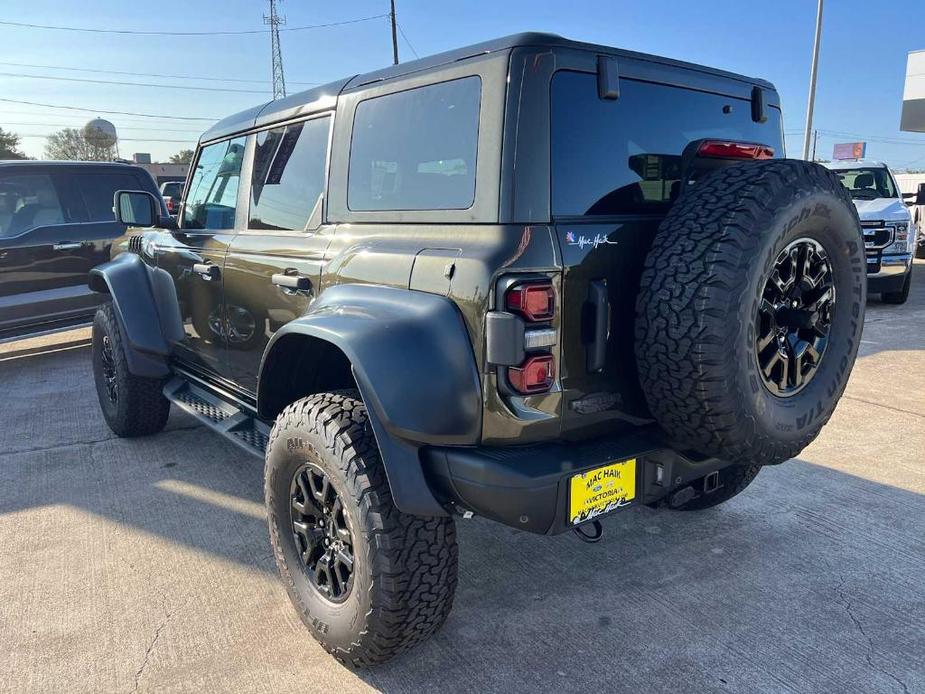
(808, 581)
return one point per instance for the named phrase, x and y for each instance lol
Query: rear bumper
(527, 487)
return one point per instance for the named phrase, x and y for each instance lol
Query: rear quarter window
(416, 149)
(614, 157)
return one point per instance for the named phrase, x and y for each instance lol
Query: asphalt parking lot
(143, 565)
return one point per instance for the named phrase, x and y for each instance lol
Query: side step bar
(219, 415)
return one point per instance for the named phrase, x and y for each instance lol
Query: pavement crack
(869, 655)
(144, 663)
(886, 407)
(91, 442)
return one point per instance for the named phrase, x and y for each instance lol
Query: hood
(886, 209)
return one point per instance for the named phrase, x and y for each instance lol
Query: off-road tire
(140, 408)
(405, 567)
(902, 295)
(732, 481)
(697, 310)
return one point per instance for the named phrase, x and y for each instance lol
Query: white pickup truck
(889, 233)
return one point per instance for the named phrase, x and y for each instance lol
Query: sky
(859, 97)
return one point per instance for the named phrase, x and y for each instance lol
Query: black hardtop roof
(282, 109)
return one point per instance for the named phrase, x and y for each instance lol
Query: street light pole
(807, 133)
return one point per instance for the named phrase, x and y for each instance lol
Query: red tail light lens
(535, 302)
(533, 376)
(734, 150)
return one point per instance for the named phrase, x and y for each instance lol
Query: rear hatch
(616, 170)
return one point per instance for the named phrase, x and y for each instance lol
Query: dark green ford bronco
(532, 280)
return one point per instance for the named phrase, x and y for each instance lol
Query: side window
(28, 201)
(98, 189)
(416, 150)
(288, 176)
(213, 191)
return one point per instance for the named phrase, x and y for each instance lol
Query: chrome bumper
(892, 265)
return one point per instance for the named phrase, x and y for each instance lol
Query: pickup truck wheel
(132, 405)
(750, 310)
(368, 581)
(900, 297)
(732, 480)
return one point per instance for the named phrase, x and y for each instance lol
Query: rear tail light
(535, 301)
(535, 375)
(734, 150)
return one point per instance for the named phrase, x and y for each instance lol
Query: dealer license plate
(601, 490)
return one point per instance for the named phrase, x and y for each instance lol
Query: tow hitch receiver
(711, 482)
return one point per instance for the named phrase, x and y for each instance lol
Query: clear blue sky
(862, 63)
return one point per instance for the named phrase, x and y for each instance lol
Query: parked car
(533, 280)
(56, 223)
(172, 192)
(889, 232)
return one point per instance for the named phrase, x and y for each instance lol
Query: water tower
(101, 134)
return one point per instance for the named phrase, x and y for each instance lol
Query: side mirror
(136, 208)
(920, 195)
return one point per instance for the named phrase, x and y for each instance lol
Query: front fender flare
(145, 303)
(412, 359)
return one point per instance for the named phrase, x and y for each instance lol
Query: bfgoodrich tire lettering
(698, 308)
(404, 567)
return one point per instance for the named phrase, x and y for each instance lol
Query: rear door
(615, 170)
(274, 265)
(194, 254)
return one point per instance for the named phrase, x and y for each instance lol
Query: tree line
(71, 144)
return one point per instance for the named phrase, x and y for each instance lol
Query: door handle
(207, 271)
(68, 246)
(299, 283)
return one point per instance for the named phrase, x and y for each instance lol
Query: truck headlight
(902, 239)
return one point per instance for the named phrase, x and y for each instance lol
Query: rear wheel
(368, 581)
(132, 405)
(902, 295)
(750, 310)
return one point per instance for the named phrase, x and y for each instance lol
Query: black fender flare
(145, 303)
(412, 360)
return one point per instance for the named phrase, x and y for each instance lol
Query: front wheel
(368, 581)
(902, 295)
(132, 405)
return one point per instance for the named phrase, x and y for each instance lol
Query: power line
(121, 127)
(147, 74)
(103, 110)
(405, 37)
(133, 84)
(127, 139)
(133, 32)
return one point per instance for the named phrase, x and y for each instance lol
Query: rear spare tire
(750, 310)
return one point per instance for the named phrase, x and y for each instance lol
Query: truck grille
(876, 234)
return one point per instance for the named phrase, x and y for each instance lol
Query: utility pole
(394, 34)
(812, 83)
(279, 80)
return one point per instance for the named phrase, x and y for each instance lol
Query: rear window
(613, 157)
(416, 150)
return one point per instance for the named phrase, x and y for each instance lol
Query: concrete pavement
(144, 565)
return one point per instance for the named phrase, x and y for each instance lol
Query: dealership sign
(850, 150)
(913, 117)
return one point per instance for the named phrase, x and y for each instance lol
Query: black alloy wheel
(322, 533)
(794, 317)
(108, 365)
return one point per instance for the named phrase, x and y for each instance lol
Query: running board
(219, 415)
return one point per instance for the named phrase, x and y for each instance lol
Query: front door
(194, 255)
(274, 265)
